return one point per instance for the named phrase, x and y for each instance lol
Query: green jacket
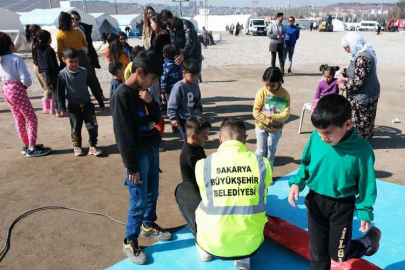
(340, 171)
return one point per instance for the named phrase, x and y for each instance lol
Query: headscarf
(357, 44)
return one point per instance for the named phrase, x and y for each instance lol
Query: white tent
(10, 24)
(338, 26)
(49, 19)
(106, 22)
(132, 20)
(219, 22)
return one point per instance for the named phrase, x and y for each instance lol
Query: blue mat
(389, 217)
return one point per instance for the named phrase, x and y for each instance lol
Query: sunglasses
(290, 20)
(75, 19)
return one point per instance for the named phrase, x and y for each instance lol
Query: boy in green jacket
(338, 167)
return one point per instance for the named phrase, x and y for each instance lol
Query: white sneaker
(243, 264)
(204, 256)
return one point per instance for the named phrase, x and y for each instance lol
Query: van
(256, 27)
(368, 26)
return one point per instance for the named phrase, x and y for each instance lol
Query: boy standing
(135, 115)
(187, 193)
(172, 73)
(73, 82)
(117, 71)
(185, 99)
(338, 167)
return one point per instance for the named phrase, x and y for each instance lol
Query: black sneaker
(156, 232)
(371, 240)
(25, 148)
(38, 151)
(134, 252)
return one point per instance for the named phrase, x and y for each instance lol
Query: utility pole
(50, 3)
(116, 8)
(206, 14)
(84, 5)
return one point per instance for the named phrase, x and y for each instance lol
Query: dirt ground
(60, 239)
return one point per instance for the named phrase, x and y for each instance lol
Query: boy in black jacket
(135, 115)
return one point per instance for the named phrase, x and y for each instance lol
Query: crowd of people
(228, 188)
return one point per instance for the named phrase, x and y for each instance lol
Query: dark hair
(169, 51)
(279, 15)
(331, 69)
(331, 110)
(70, 53)
(273, 74)
(74, 12)
(157, 18)
(292, 17)
(65, 21)
(149, 61)
(114, 67)
(104, 37)
(166, 15)
(196, 124)
(115, 51)
(191, 66)
(136, 50)
(30, 31)
(111, 37)
(5, 44)
(120, 33)
(145, 16)
(234, 126)
(43, 39)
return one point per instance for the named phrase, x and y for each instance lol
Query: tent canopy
(338, 26)
(106, 22)
(131, 20)
(219, 22)
(11, 25)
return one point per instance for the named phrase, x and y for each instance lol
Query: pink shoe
(46, 106)
(78, 151)
(95, 151)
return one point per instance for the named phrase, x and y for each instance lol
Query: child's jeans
(143, 196)
(16, 96)
(79, 113)
(266, 144)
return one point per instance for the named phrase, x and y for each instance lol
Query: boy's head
(136, 50)
(191, 70)
(232, 129)
(116, 69)
(146, 69)
(71, 59)
(332, 118)
(169, 52)
(197, 130)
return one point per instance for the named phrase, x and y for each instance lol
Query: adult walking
(292, 34)
(237, 29)
(147, 31)
(277, 35)
(87, 29)
(361, 84)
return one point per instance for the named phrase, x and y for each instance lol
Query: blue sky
(264, 3)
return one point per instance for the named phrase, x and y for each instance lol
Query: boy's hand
(364, 226)
(145, 96)
(267, 114)
(175, 123)
(294, 193)
(135, 178)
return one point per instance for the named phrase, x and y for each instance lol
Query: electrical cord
(6, 247)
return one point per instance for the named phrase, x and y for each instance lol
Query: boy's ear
(138, 71)
(349, 124)
(64, 59)
(184, 73)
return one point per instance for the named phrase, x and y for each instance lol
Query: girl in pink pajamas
(16, 79)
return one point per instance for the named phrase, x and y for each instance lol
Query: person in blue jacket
(292, 34)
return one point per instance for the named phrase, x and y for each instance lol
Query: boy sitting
(338, 167)
(117, 71)
(185, 99)
(73, 82)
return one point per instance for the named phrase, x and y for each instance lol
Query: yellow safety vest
(233, 186)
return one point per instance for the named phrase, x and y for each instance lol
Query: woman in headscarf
(147, 31)
(359, 80)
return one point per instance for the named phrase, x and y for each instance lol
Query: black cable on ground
(6, 247)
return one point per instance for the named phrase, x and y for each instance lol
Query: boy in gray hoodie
(185, 98)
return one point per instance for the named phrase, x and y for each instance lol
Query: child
(172, 73)
(135, 51)
(31, 33)
(117, 54)
(185, 100)
(187, 193)
(326, 86)
(116, 69)
(271, 109)
(48, 65)
(138, 142)
(337, 165)
(16, 79)
(72, 85)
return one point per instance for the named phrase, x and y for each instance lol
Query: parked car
(256, 27)
(368, 26)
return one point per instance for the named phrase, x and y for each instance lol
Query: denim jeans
(290, 51)
(266, 144)
(143, 196)
(188, 198)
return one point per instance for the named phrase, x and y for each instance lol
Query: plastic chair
(307, 106)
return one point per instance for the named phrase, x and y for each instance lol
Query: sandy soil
(59, 239)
